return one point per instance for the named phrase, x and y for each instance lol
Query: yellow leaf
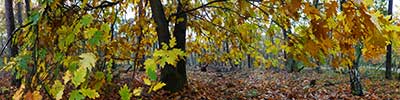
(19, 93)
(88, 60)
(172, 42)
(147, 81)
(67, 77)
(137, 91)
(368, 2)
(36, 96)
(158, 86)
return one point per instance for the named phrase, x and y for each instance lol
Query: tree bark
(10, 26)
(27, 7)
(388, 62)
(19, 13)
(175, 78)
(355, 80)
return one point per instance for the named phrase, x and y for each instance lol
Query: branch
(266, 13)
(103, 4)
(202, 6)
(9, 38)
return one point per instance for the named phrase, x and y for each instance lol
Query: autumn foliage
(82, 49)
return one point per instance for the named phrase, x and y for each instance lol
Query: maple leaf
(89, 93)
(125, 93)
(88, 60)
(75, 95)
(57, 90)
(86, 19)
(67, 77)
(79, 76)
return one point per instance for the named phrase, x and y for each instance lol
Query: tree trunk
(10, 26)
(355, 80)
(27, 7)
(175, 78)
(19, 13)
(388, 62)
(249, 62)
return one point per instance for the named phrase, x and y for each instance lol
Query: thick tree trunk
(175, 78)
(10, 28)
(180, 35)
(388, 62)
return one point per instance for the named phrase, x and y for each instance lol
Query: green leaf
(99, 75)
(75, 95)
(105, 28)
(42, 53)
(86, 20)
(150, 64)
(92, 94)
(125, 93)
(34, 17)
(152, 74)
(58, 57)
(79, 76)
(89, 33)
(57, 90)
(23, 61)
(96, 39)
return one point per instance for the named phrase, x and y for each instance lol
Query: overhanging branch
(202, 6)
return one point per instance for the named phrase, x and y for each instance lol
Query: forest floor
(254, 84)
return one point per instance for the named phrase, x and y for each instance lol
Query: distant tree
(388, 62)
(10, 26)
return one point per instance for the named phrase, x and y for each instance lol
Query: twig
(9, 38)
(202, 6)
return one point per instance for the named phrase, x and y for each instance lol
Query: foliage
(74, 45)
(125, 93)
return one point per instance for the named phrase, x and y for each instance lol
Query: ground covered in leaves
(253, 84)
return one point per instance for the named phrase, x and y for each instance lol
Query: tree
(19, 13)
(94, 36)
(10, 27)
(388, 62)
(175, 78)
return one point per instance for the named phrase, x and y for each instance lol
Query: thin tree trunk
(355, 80)
(388, 62)
(249, 61)
(27, 7)
(19, 13)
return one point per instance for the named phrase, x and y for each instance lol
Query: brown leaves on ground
(261, 84)
(254, 84)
